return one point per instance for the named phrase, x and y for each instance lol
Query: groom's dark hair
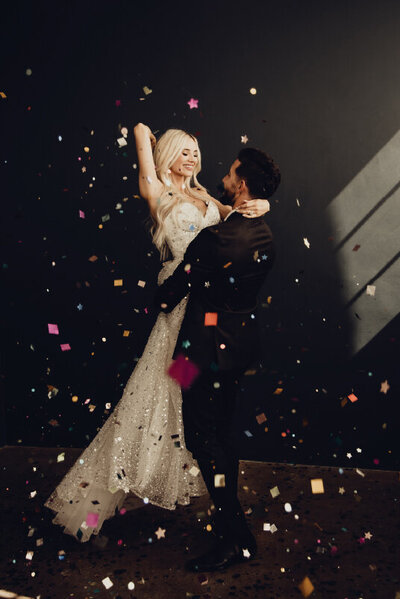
(261, 173)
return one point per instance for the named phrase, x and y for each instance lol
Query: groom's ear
(242, 186)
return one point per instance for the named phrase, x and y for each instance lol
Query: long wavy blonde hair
(166, 152)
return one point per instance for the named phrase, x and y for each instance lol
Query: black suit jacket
(223, 269)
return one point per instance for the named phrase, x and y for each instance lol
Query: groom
(224, 268)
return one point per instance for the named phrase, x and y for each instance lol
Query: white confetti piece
(122, 142)
(107, 582)
(371, 289)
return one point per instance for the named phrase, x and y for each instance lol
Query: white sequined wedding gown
(141, 447)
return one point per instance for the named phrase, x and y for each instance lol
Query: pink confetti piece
(53, 329)
(92, 519)
(183, 371)
(65, 346)
(193, 103)
(81, 214)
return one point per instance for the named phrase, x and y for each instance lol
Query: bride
(141, 447)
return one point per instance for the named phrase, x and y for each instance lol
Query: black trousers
(208, 410)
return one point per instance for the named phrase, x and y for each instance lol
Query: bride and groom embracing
(165, 443)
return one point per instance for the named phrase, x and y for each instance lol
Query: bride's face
(184, 165)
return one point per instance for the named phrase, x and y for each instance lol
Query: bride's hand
(254, 208)
(144, 128)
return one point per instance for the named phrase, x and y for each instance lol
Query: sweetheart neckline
(198, 209)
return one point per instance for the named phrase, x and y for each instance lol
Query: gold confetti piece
(61, 457)
(219, 480)
(317, 485)
(274, 492)
(278, 391)
(385, 387)
(269, 299)
(86, 149)
(147, 90)
(253, 91)
(360, 472)
(126, 333)
(118, 282)
(93, 258)
(160, 532)
(227, 264)
(3, 95)
(261, 418)
(250, 371)
(306, 587)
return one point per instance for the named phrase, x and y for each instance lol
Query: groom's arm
(191, 273)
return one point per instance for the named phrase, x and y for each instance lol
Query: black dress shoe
(224, 554)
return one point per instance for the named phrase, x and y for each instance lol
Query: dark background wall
(327, 102)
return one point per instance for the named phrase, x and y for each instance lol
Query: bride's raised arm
(150, 186)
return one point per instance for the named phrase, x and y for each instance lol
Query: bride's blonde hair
(166, 152)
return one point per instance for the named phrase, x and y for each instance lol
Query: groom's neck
(243, 197)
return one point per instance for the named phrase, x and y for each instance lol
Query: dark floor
(346, 540)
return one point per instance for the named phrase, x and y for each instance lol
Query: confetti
(210, 319)
(317, 485)
(371, 289)
(219, 480)
(92, 519)
(261, 418)
(352, 397)
(122, 142)
(107, 582)
(253, 91)
(160, 533)
(306, 587)
(384, 387)
(244, 139)
(147, 90)
(183, 371)
(274, 492)
(61, 457)
(193, 103)
(306, 242)
(141, 283)
(53, 329)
